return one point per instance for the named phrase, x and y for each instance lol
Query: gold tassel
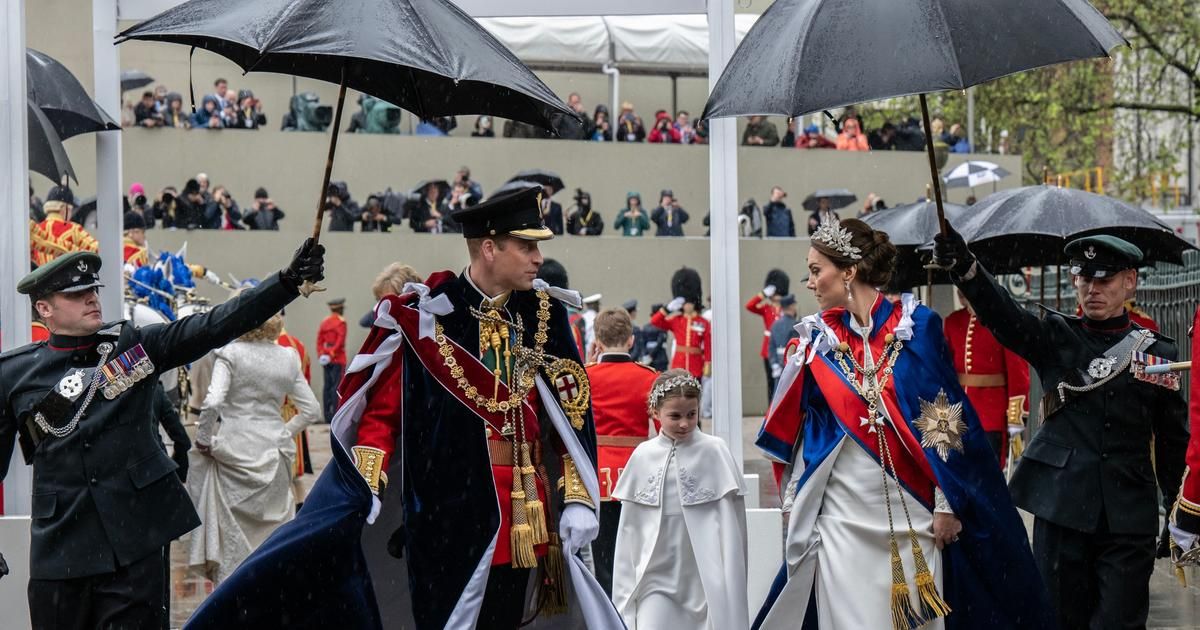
(932, 604)
(556, 580)
(903, 615)
(523, 556)
(1016, 447)
(535, 511)
(1180, 574)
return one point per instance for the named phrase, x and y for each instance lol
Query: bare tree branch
(1153, 44)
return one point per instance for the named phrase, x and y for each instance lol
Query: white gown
(680, 557)
(243, 490)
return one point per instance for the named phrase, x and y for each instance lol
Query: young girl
(681, 545)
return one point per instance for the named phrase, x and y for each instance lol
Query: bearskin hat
(686, 284)
(781, 281)
(554, 273)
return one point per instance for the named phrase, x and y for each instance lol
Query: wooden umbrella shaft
(933, 169)
(337, 125)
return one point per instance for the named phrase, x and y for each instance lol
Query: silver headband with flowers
(661, 389)
(831, 234)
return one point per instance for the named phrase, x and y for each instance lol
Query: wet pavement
(1172, 606)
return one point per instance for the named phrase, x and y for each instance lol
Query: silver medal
(72, 385)
(1101, 368)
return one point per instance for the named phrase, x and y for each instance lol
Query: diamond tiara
(662, 388)
(831, 234)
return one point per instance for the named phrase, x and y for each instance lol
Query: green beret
(1102, 256)
(69, 273)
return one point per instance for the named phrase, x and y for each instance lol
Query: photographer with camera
(342, 210)
(584, 221)
(664, 131)
(164, 207)
(263, 214)
(463, 176)
(632, 220)
(137, 203)
(668, 216)
(249, 113)
(374, 217)
(629, 125)
(222, 212)
(189, 207)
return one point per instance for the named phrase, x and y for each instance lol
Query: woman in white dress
(242, 469)
(899, 515)
(680, 558)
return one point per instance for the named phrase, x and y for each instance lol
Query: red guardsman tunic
(133, 254)
(762, 306)
(996, 380)
(693, 340)
(289, 410)
(331, 339)
(620, 389)
(54, 237)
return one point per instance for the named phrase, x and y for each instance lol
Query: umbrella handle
(933, 171)
(309, 287)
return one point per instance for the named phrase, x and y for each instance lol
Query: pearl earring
(849, 295)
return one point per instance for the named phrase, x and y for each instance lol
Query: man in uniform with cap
(331, 354)
(106, 500)
(1087, 475)
(465, 436)
(57, 234)
(135, 253)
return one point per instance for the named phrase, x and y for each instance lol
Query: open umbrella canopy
(428, 57)
(974, 173)
(910, 227)
(512, 185)
(546, 178)
(134, 79)
(838, 198)
(60, 96)
(832, 53)
(1029, 226)
(46, 153)
(442, 185)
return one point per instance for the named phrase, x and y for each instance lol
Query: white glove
(676, 305)
(1185, 539)
(1015, 429)
(776, 370)
(212, 277)
(769, 290)
(324, 359)
(577, 527)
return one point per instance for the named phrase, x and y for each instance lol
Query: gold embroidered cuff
(369, 462)
(572, 484)
(1016, 411)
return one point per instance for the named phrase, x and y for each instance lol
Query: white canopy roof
(658, 44)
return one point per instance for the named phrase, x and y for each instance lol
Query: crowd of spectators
(224, 108)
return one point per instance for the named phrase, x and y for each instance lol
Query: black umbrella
(1028, 227)
(442, 185)
(514, 184)
(838, 198)
(831, 53)
(134, 79)
(46, 153)
(60, 96)
(428, 57)
(546, 178)
(910, 227)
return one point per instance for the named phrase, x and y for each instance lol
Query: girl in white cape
(681, 544)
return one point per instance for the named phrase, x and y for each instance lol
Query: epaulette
(112, 329)
(645, 367)
(1158, 336)
(27, 348)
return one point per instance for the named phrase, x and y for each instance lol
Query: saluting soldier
(106, 498)
(1087, 474)
(681, 316)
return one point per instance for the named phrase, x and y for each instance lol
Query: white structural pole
(14, 237)
(723, 244)
(109, 209)
(971, 119)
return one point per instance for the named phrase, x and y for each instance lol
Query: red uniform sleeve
(757, 305)
(661, 320)
(381, 418)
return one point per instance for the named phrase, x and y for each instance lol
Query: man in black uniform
(1087, 475)
(106, 499)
